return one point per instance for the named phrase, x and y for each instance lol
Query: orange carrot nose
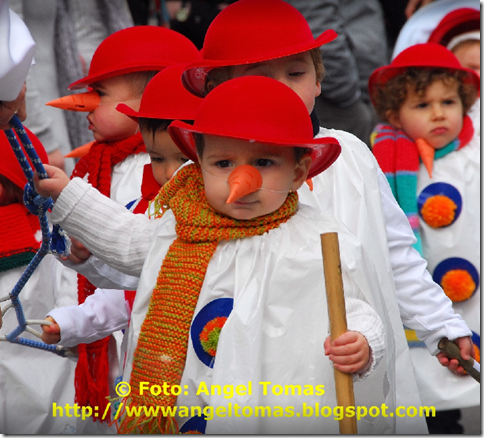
(427, 153)
(87, 102)
(80, 151)
(243, 180)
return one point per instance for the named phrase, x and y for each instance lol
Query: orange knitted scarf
(163, 341)
(91, 377)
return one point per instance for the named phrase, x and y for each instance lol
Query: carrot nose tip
(426, 153)
(85, 102)
(243, 180)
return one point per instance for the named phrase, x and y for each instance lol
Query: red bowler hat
(137, 48)
(457, 22)
(9, 165)
(429, 55)
(250, 31)
(256, 108)
(165, 97)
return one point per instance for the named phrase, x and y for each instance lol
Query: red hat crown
(165, 98)
(250, 31)
(255, 108)
(429, 55)
(9, 165)
(137, 48)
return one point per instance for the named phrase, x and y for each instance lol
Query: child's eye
(157, 159)
(264, 162)
(100, 93)
(449, 102)
(184, 159)
(223, 164)
(422, 105)
(296, 73)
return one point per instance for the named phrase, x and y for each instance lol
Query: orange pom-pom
(438, 211)
(458, 285)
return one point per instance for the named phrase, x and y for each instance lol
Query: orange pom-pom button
(458, 285)
(207, 327)
(458, 277)
(438, 211)
(439, 204)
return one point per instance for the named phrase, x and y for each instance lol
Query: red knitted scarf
(91, 378)
(18, 244)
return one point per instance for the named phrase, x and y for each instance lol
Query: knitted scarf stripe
(92, 370)
(163, 341)
(18, 244)
(399, 160)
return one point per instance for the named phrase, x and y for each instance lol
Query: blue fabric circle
(194, 424)
(476, 339)
(455, 263)
(443, 189)
(217, 308)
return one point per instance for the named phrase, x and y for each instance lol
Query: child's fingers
(350, 368)
(50, 339)
(51, 333)
(79, 253)
(51, 329)
(53, 185)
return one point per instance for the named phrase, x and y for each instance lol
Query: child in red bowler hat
(271, 38)
(430, 154)
(26, 405)
(119, 72)
(108, 310)
(239, 299)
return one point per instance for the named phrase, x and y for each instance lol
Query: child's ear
(393, 118)
(301, 172)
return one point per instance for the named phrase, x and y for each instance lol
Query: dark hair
(153, 126)
(299, 152)
(12, 194)
(389, 97)
(217, 76)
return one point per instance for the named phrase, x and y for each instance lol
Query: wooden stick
(452, 350)
(337, 320)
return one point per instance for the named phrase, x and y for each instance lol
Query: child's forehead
(441, 85)
(221, 145)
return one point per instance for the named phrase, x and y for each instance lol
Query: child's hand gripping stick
(337, 320)
(243, 180)
(452, 350)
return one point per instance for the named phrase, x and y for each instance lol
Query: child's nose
(437, 111)
(85, 102)
(243, 180)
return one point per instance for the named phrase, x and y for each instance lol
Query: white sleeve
(101, 314)
(107, 229)
(423, 304)
(101, 275)
(362, 318)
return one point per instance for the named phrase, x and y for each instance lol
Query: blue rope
(38, 205)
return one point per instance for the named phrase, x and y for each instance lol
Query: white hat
(422, 23)
(475, 35)
(16, 52)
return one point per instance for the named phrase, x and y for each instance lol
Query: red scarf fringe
(92, 370)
